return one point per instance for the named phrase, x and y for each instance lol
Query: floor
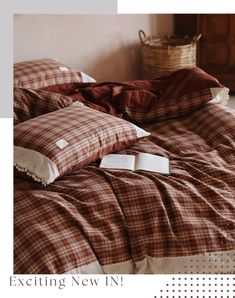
(231, 102)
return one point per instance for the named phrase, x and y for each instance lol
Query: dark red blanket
(146, 101)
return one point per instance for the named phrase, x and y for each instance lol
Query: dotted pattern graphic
(211, 264)
(199, 287)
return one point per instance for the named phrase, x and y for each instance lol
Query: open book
(141, 161)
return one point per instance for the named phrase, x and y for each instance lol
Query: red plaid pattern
(45, 72)
(147, 101)
(170, 96)
(172, 108)
(89, 135)
(113, 216)
(30, 103)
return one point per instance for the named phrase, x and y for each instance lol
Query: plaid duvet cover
(118, 221)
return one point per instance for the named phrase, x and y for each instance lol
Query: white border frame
(133, 286)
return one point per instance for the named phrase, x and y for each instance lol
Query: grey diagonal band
(62, 6)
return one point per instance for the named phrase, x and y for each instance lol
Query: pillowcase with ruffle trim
(52, 145)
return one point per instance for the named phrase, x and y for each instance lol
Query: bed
(87, 219)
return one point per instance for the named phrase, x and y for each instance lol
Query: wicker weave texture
(162, 55)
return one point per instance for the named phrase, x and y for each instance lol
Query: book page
(154, 163)
(118, 161)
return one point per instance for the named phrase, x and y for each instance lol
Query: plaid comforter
(118, 221)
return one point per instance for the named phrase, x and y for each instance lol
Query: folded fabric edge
(39, 167)
(208, 263)
(141, 133)
(220, 95)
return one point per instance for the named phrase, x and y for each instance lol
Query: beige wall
(105, 46)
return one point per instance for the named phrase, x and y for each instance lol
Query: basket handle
(142, 35)
(197, 37)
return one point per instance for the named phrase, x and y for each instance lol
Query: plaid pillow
(45, 72)
(170, 96)
(29, 103)
(51, 145)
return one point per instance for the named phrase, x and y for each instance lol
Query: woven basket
(161, 55)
